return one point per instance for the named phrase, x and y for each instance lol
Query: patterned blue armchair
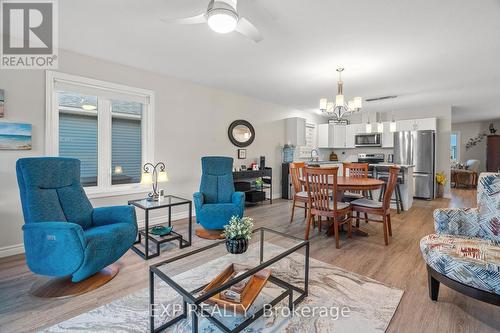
(217, 202)
(63, 234)
(464, 253)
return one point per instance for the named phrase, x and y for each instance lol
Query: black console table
(249, 175)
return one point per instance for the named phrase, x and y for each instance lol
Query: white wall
(470, 130)
(191, 121)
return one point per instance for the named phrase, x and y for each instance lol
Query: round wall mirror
(241, 133)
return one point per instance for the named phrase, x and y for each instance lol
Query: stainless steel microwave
(368, 140)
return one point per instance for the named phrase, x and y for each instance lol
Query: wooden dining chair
(382, 209)
(355, 170)
(300, 195)
(322, 190)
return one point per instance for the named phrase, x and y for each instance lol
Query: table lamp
(152, 175)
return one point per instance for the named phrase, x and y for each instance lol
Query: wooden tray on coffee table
(249, 294)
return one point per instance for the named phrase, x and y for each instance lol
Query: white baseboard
(11, 250)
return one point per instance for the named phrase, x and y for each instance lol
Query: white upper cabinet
(405, 125)
(339, 132)
(350, 132)
(416, 124)
(323, 136)
(426, 124)
(387, 136)
(296, 131)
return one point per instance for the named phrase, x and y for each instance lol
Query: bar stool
(381, 172)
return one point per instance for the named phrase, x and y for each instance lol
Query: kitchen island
(406, 187)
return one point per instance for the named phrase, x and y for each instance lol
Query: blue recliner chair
(217, 202)
(63, 234)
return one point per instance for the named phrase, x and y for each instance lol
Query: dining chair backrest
(355, 170)
(321, 185)
(389, 187)
(297, 172)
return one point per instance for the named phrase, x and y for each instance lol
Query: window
(108, 127)
(305, 151)
(455, 141)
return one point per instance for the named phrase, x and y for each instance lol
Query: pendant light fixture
(340, 109)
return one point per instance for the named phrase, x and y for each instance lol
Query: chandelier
(340, 108)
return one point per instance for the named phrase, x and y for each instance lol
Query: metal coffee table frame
(197, 311)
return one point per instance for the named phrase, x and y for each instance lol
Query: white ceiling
(428, 52)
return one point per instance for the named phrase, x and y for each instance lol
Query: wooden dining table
(353, 184)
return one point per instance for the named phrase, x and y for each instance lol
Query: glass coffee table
(176, 285)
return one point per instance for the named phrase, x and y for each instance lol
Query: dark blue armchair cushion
(51, 191)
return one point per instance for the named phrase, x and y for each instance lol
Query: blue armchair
(63, 234)
(217, 202)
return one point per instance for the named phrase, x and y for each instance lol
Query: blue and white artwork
(2, 100)
(15, 136)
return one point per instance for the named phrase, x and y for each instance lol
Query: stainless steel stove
(371, 159)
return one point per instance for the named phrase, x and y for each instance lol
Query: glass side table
(168, 202)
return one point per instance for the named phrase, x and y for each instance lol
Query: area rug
(338, 301)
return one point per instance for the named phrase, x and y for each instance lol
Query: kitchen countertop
(403, 166)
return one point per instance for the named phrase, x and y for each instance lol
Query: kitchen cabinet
(416, 124)
(339, 132)
(350, 133)
(323, 136)
(331, 136)
(426, 124)
(295, 130)
(387, 136)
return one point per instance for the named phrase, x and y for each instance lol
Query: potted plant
(441, 181)
(238, 232)
(258, 183)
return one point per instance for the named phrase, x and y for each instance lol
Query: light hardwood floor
(399, 264)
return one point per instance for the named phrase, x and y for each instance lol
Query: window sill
(95, 193)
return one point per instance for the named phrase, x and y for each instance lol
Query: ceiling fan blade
(198, 19)
(247, 29)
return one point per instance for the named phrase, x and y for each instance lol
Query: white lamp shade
(339, 100)
(380, 127)
(329, 106)
(368, 128)
(350, 105)
(147, 178)
(392, 126)
(162, 177)
(322, 103)
(358, 102)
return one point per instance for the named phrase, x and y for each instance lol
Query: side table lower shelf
(158, 240)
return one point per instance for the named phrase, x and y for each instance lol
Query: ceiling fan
(222, 17)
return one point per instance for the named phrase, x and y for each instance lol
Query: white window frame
(459, 143)
(104, 172)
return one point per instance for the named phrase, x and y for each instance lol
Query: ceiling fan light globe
(222, 21)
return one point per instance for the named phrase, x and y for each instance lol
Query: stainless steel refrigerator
(417, 148)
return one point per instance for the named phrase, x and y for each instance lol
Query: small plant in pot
(441, 181)
(238, 232)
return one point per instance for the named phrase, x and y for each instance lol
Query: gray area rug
(338, 301)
